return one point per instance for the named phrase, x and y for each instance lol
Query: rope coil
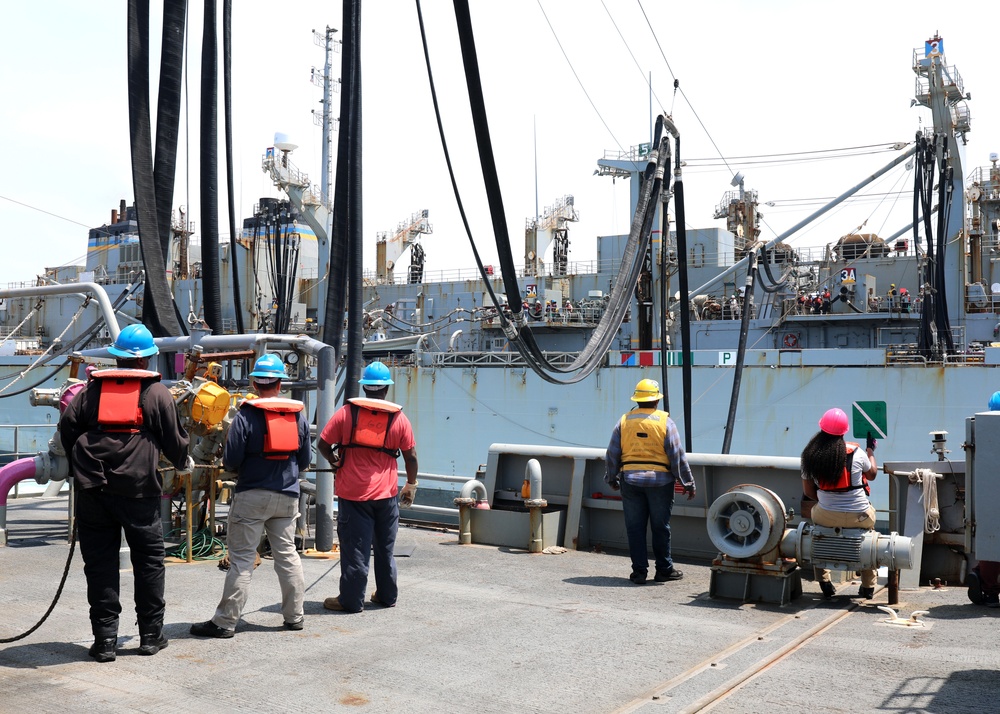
(928, 483)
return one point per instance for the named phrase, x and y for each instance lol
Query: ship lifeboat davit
(861, 245)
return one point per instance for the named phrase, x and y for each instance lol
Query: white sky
(765, 77)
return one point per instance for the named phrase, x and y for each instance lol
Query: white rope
(42, 356)
(27, 317)
(928, 483)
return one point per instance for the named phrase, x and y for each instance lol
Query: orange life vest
(370, 423)
(843, 484)
(281, 436)
(119, 406)
(642, 434)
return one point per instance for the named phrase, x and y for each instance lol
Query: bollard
(535, 504)
(465, 506)
(465, 502)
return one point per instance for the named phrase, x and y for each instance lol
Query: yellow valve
(210, 404)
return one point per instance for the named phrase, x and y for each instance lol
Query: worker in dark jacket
(267, 445)
(113, 432)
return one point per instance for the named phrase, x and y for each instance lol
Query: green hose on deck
(204, 546)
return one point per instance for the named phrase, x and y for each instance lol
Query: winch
(760, 556)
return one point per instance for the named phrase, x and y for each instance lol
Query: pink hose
(14, 472)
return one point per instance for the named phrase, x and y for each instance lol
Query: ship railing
(496, 359)
(904, 356)
(581, 267)
(18, 441)
(965, 358)
(441, 482)
(907, 354)
(988, 177)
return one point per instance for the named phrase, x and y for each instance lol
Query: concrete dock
(486, 629)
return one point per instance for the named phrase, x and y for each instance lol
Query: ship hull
(457, 413)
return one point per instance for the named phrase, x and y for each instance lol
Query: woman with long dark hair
(836, 474)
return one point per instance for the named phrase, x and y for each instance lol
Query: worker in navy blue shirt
(644, 459)
(267, 445)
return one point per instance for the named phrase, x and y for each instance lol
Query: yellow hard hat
(647, 390)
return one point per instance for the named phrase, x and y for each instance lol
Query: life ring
(791, 340)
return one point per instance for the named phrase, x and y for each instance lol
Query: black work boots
(103, 649)
(152, 642)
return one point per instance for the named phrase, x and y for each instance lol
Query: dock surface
(487, 629)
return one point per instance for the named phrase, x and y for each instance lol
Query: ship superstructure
(897, 329)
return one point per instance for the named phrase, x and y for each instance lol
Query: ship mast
(326, 120)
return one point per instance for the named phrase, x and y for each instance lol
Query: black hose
(685, 308)
(227, 69)
(158, 316)
(355, 237)
(168, 112)
(775, 285)
(932, 289)
(52, 605)
(209, 172)
(595, 352)
(944, 213)
(336, 291)
(664, 236)
(741, 354)
(470, 61)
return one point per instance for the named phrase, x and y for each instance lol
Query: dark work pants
(651, 505)
(100, 518)
(360, 525)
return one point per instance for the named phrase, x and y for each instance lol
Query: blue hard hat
(995, 402)
(134, 341)
(376, 373)
(269, 366)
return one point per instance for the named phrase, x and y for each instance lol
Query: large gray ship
(515, 372)
(897, 330)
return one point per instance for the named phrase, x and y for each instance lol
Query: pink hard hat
(834, 422)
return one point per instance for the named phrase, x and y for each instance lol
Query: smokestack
(114, 216)
(121, 210)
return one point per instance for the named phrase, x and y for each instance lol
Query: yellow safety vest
(643, 432)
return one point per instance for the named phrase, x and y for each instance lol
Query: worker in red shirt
(370, 434)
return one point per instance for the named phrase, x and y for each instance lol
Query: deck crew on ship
(370, 433)
(644, 460)
(113, 432)
(267, 446)
(836, 473)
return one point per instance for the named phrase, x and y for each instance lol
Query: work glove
(407, 495)
(615, 485)
(188, 466)
(690, 491)
(870, 442)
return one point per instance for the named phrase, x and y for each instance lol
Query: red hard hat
(834, 422)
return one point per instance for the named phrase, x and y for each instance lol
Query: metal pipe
(533, 473)
(453, 339)
(474, 486)
(775, 463)
(535, 504)
(466, 501)
(809, 219)
(97, 291)
(11, 474)
(326, 402)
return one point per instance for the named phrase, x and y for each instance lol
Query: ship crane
(549, 228)
(739, 208)
(389, 248)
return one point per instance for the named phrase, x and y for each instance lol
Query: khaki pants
(835, 519)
